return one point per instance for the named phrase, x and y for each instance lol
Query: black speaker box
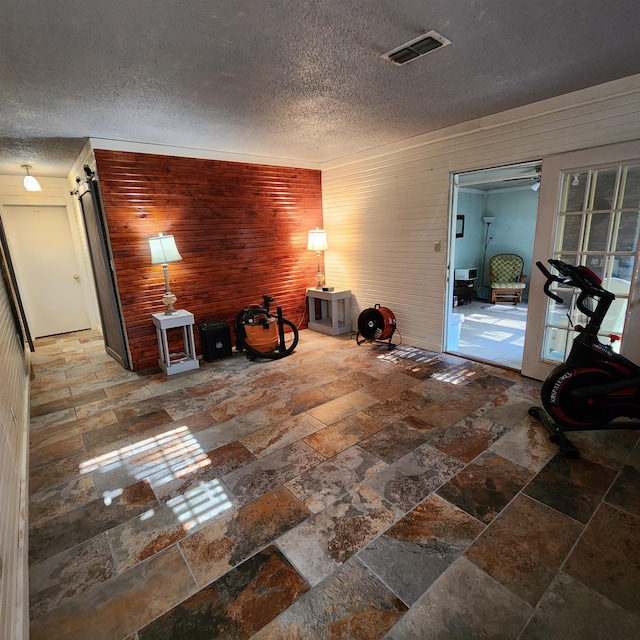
(215, 338)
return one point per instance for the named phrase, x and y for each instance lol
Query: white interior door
(44, 259)
(589, 214)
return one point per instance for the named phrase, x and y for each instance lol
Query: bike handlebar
(550, 279)
(581, 278)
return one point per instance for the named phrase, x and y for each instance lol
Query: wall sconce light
(30, 183)
(318, 242)
(164, 250)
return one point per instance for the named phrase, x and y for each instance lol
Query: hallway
(343, 492)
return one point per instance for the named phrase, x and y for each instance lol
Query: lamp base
(169, 299)
(319, 280)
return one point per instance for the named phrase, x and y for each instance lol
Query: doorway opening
(47, 270)
(493, 219)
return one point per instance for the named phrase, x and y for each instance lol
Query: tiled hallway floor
(343, 492)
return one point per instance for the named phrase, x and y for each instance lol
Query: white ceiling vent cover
(416, 48)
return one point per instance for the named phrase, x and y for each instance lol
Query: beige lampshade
(163, 249)
(317, 240)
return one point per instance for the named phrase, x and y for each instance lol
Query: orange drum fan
(378, 324)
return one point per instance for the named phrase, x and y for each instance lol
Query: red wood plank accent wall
(241, 230)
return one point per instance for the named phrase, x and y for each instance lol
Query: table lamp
(164, 250)
(318, 242)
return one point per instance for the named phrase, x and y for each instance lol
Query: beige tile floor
(343, 492)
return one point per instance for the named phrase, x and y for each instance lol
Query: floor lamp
(487, 241)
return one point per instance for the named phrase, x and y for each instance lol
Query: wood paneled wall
(241, 230)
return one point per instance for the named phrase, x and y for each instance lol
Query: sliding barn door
(104, 274)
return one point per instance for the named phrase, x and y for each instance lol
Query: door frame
(503, 173)
(544, 245)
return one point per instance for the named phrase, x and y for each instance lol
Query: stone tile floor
(343, 492)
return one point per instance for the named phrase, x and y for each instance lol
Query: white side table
(332, 303)
(185, 360)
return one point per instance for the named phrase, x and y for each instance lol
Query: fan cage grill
(376, 323)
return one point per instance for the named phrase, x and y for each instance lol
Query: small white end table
(185, 360)
(335, 311)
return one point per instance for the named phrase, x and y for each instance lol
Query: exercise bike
(595, 386)
(264, 335)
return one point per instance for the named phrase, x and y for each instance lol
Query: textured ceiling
(293, 79)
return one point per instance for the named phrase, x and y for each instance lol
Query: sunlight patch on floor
(172, 455)
(200, 505)
(494, 333)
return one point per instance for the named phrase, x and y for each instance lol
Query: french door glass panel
(598, 223)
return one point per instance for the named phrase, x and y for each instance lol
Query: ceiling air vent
(415, 48)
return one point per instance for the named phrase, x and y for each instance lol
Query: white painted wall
(14, 430)
(186, 152)
(469, 248)
(385, 209)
